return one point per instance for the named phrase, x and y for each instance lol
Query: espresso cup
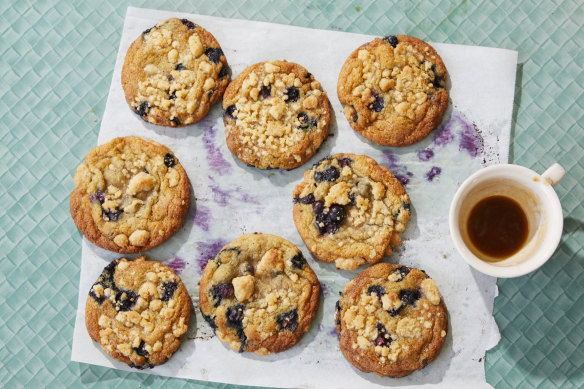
(535, 195)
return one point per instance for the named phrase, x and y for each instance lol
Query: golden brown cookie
(131, 195)
(391, 320)
(394, 90)
(138, 311)
(276, 115)
(348, 210)
(259, 294)
(174, 72)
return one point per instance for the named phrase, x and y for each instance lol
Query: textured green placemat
(57, 59)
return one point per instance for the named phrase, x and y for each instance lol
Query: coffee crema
(497, 226)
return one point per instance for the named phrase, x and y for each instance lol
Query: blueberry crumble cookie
(394, 90)
(138, 311)
(131, 195)
(259, 294)
(276, 115)
(391, 320)
(174, 72)
(349, 210)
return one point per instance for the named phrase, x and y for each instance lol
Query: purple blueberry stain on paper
(177, 265)
(207, 251)
(471, 139)
(391, 161)
(220, 196)
(246, 197)
(325, 290)
(433, 173)
(425, 154)
(215, 159)
(202, 217)
(444, 135)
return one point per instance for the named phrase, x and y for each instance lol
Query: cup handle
(554, 174)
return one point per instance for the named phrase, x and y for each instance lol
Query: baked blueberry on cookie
(394, 90)
(349, 210)
(276, 115)
(391, 320)
(138, 311)
(174, 72)
(130, 195)
(259, 294)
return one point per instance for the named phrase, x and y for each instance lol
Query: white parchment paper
(233, 199)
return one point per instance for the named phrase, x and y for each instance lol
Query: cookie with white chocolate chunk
(349, 210)
(391, 320)
(276, 115)
(138, 311)
(259, 294)
(394, 90)
(131, 195)
(174, 72)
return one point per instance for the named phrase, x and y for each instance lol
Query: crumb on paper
(444, 256)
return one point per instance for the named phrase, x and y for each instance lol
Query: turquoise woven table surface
(56, 61)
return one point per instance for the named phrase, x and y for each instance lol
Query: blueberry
(406, 206)
(168, 289)
(179, 67)
(344, 161)
(292, 94)
(318, 207)
(329, 222)
(147, 30)
(298, 261)
(392, 40)
(329, 174)
(170, 78)
(378, 104)
(190, 25)
(377, 289)
(225, 71)
(169, 160)
(175, 121)
(221, 291)
(308, 199)
(92, 294)
(338, 310)
(409, 296)
(308, 75)
(214, 54)
(229, 111)
(266, 91)
(234, 316)
(141, 367)
(140, 350)
(402, 272)
(211, 321)
(111, 215)
(172, 96)
(125, 300)
(437, 79)
(97, 197)
(352, 197)
(106, 280)
(383, 338)
(355, 117)
(306, 122)
(288, 321)
(144, 170)
(242, 338)
(142, 109)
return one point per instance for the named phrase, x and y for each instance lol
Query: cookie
(276, 115)
(138, 311)
(130, 195)
(259, 294)
(394, 90)
(391, 320)
(349, 210)
(174, 72)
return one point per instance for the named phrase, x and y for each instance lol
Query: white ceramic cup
(536, 196)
